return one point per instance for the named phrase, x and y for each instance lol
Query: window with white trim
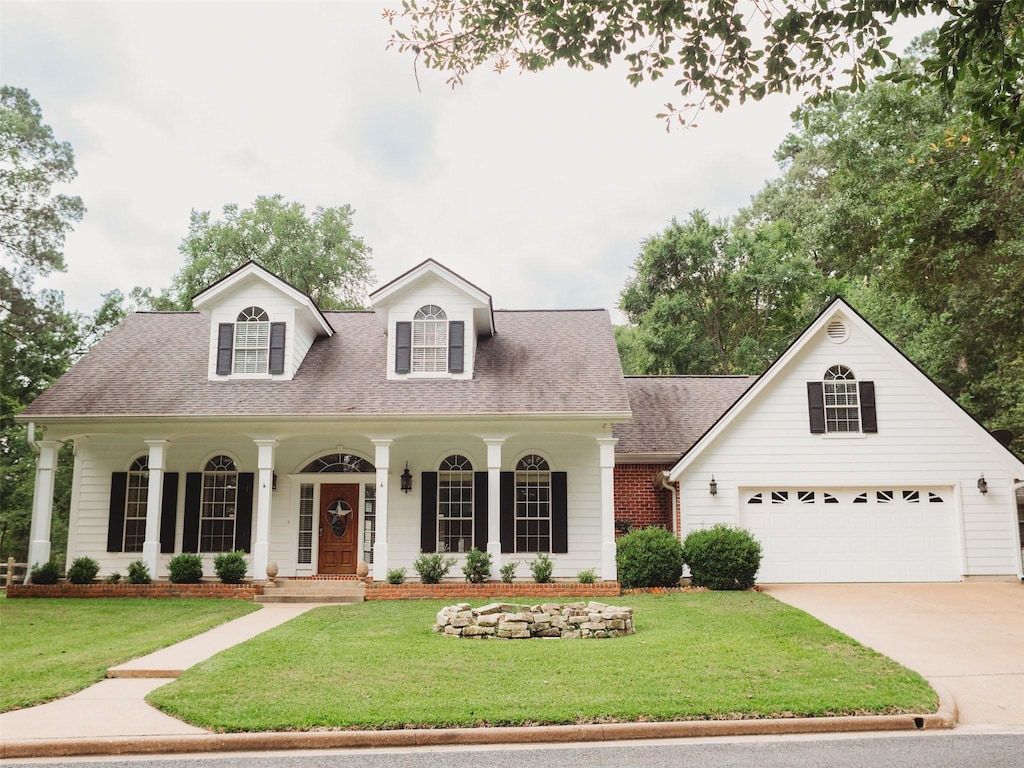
(842, 403)
(455, 504)
(219, 504)
(252, 341)
(533, 504)
(135, 505)
(430, 340)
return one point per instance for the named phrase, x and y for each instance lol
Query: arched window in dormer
(430, 340)
(250, 345)
(252, 341)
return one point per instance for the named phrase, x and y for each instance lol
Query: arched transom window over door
(430, 340)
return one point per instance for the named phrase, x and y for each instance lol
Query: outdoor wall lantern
(982, 484)
(713, 487)
(273, 482)
(406, 479)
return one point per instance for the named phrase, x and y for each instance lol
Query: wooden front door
(339, 529)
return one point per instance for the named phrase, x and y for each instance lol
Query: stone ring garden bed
(552, 620)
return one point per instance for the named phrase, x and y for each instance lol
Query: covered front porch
(319, 498)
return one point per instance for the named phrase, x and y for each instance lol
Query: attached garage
(854, 534)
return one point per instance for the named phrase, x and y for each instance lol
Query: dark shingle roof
(670, 413)
(155, 364)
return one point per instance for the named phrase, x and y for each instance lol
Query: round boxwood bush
(722, 557)
(138, 573)
(47, 573)
(83, 570)
(649, 557)
(230, 567)
(186, 568)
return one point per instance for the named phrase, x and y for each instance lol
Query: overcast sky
(538, 188)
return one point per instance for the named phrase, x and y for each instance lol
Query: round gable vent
(837, 331)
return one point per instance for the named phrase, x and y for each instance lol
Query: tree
(891, 190)
(317, 253)
(38, 337)
(719, 51)
(706, 298)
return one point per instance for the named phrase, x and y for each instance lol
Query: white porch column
(264, 489)
(42, 503)
(494, 501)
(608, 567)
(154, 501)
(382, 460)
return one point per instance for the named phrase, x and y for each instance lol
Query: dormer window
(250, 345)
(839, 404)
(430, 340)
(430, 343)
(252, 341)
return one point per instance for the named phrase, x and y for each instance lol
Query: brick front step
(313, 590)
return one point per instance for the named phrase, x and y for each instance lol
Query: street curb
(944, 718)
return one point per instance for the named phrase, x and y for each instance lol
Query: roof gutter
(661, 482)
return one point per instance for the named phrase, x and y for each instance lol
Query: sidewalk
(112, 717)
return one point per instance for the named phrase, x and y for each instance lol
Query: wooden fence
(12, 573)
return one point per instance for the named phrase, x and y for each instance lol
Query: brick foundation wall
(555, 591)
(637, 501)
(210, 590)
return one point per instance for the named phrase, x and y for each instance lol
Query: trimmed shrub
(722, 557)
(47, 573)
(138, 573)
(649, 557)
(83, 570)
(508, 572)
(433, 567)
(477, 567)
(588, 576)
(230, 567)
(114, 578)
(395, 576)
(542, 568)
(186, 568)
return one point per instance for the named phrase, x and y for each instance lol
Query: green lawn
(694, 656)
(52, 647)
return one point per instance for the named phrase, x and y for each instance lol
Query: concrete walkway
(116, 707)
(966, 638)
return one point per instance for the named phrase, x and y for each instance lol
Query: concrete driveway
(967, 638)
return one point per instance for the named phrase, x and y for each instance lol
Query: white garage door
(844, 534)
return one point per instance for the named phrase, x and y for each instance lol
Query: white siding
(921, 441)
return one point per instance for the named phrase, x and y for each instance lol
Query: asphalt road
(937, 750)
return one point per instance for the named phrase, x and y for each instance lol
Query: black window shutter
(403, 347)
(225, 342)
(816, 406)
(480, 510)
(115, 522)
(456, 346)
(559, 512)
(508, 511)
(868, 412)
(276, 348)
(243, 512)
(428, 512)
(168, 511)
(193, 501)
